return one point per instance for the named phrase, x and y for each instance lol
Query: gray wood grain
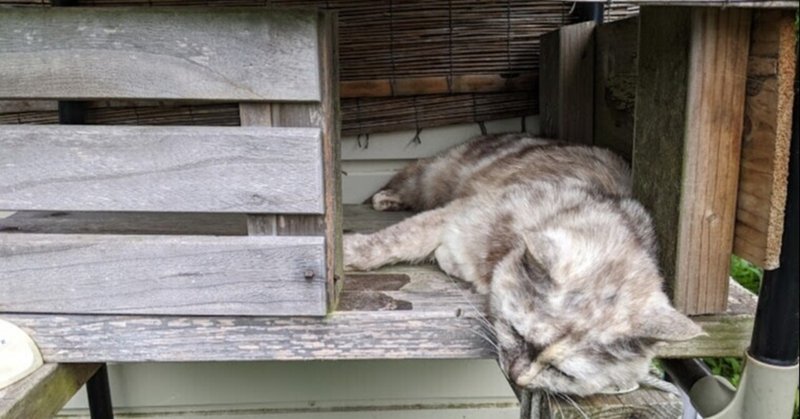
(159, 53)
(203, 224)
(188, 275)
(399, 312)
(166, 169)
(43, 393)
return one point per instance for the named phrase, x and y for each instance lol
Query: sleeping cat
(550, 233)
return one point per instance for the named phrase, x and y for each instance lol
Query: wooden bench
(269, 203)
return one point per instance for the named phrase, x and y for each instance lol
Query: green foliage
(747, 274)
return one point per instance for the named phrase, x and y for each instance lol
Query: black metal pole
(99, 392)
(776, 330)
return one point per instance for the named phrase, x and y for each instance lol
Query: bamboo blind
(403, 63)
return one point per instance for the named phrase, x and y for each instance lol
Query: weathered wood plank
(616, 48)
(767, 130)
(188, 275)
(180, 169)
(43, 393)
(689, 113)
(399, 312)
(643, 403)
(566, 83)
(766, 4)
(159, 53)
(203, 224)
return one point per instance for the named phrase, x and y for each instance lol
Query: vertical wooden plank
(331, 153)
(765, 142)
(258, 114)
(689, 112)
(616, 47)
(326, 116)
(566, 83)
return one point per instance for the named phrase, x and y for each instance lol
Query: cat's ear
(538, 254)
(664, 323)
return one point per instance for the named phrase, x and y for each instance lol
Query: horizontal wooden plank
(164, 169)
(187, 275)
(159, 53)
(43, 393)
(396, 313)
(203, 224)
(764, 4)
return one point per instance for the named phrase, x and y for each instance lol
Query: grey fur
(550, 233)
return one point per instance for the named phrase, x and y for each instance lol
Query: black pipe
(776, 330)
(589, 11)
(99, 393)
(685, 372)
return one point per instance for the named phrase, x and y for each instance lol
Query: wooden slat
(43, 393)
(767, 131)
(188, 275)
(159, 53)
(689, 113)
(766, 4)
(205, 224)
(616, 46)
(566, 83)
(188, 169)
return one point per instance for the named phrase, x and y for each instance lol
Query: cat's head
(581, 316)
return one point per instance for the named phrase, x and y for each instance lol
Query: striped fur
(549, 232)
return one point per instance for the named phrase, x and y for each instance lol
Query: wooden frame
(279, 178)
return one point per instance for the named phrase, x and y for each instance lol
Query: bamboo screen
(403, 63)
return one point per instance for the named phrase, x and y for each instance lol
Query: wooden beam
(167, 275)
(177, 169)
(765, 4)
(616, 48)
(93, 53)
(566, 83)
(43, 393)
(767, 131)
(688, 122)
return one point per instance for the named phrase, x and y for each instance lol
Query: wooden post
(688, 126)
(765, 143)
(616, 47)
(565, 83)
(324, 115)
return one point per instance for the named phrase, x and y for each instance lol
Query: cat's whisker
(574, 404)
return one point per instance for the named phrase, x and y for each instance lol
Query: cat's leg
(412, 240)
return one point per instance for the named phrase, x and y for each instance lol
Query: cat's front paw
(387, 200)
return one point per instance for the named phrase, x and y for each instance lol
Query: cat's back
(491, 162)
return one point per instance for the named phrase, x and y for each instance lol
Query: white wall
(443, 389)
(370, 165)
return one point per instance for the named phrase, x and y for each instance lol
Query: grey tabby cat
(550, 233)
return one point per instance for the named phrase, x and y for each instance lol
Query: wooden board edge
(44, 392)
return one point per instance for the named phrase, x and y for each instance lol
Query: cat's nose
(516, 368)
